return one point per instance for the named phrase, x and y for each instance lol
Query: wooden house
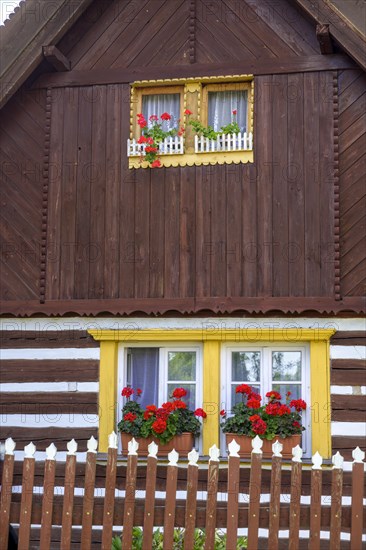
(248, 261)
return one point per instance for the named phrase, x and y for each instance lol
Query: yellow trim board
(196, 159)
(212, 339)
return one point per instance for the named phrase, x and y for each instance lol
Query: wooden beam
(57, 59)
(324, 39)
(258, 67)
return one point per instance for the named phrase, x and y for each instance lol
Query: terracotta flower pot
(183, 444)
(245, 443)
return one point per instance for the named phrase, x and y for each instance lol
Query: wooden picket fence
(212, 498)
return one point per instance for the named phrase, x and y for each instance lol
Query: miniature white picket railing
(169, 146)
(224, 142)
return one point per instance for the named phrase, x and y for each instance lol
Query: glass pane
(237, 397)
(246, 366)
(295, 390)
(157, 104)
(145, 373)
(181, 365)
(286, 365)
(221, 106)
(190, 398)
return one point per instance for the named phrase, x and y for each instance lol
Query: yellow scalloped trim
(197, 159)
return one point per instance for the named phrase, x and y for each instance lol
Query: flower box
(245, 443)
(183, 444)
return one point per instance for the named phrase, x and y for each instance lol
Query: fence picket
(191, 502)
(274, 508)
(47, 500)
(358, 474)
(233, 491)
(150, 496)
(88, 501)
(336, 504)
(212, 485)
(6, 487)
(315, 503)
(130, 490)
(68, 502)
(294, 520)
(254, 493)
(110, 486)
(171, 497)
(27, 496)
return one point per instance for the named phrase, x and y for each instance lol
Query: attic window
(222, 109)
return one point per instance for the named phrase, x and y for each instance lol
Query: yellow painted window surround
(318, 341)
(194, 96)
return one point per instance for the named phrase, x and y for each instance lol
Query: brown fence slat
(315, 509)
(254, 500)
(191, 506)
(88, 501)
(26, 503)
(128, 514)
(274, 508)
(232, 502)
(68, 502)
(336, 509)
(357, 504)
(47, 503)
(5, 500)
(169, 512)
(149, 502)
(294, 520)
(109, 499)
(212, 484)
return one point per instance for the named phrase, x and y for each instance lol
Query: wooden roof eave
(22, 38)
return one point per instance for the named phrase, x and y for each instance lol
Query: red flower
(200, 412)
(296, 424)
(283, 409)
(150, 411)
(273, 395)
(272, 409)
(168, 406)
(142, 139)
(165, 116)
(298, 404)
(150, 149)
(127, 392)
(156, 164)
(162, 413)
(222, 413)
(159, 426)
(138, 392)
(254, 401)
(178, 404)
(130, 417)
(259, 427)
(188, 112)
(254, 418)
(150, 140)
(179, 392)
(234, 112)
(243, 388)
(153, 118)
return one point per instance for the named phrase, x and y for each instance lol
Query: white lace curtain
(221, 106)
(157, 104)
(145, 374)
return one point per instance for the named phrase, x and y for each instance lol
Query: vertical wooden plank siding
(108, 391)
(315, 509)
(250, 250)
(204, 246)
(5, 500)
(169, 512)
(128, 513)
(191, 506)
(336, 509)
(232, 501)
(212, 485)
(294, 520)
(187, 232)
(142, 237)
(88, 501)
(108, 511)
(171, 230)
(233, 246)
(47, 503)
(358, 475)
(26, 502)
(254, 499)
(218, 182)
(211, 393)
(274, 507)
(157, 213)
(68, 502)
(149, 502)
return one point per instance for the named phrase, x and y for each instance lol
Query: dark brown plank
(68, 502)
(232, 245)
(295, 510)
(171, 231)
(357, 505)
(60, 335)
(349, 408)
(219, 243)
(48, 403)
(315, 511)
(336, 511)
(88, 500)
(348, 372)
(251, 251)
(212, 485)
(18, 370)
(169, 512)
(345, 338)
(232, 502)
(191, 506)
(150, 500)
(274, 510)
(156, 232)
(5, 500)
(187, 260)
(108, 513)
(254, 499)
(129, 506)
(204, 246)
(26, 502)
(47, 503)
(142, 226)
(43, 437)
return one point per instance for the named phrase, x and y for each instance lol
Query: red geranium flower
(272, 409)
(165, 116)
(222, 412)
(142, 139)
(127, 392)
(254, 418)
(159, 426)
(234, 112)
(296, 424)
(298, 404)
(188, 112)
(179, 392)
(156, 164)
(283, 409)
(259, 427)
(150, 411)
(253, 403)
(150, 149)
(130, 417)
(243, 388)
(138, 392)
(153, 118)
(200, 412)
(168, 406)
(273, 395)
(179, 404)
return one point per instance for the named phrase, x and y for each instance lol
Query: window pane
(237, 397)
(157, 104)
(246, 366)
(190, 398)
(295, 390)
(286, 365)
(145, 373)
(181, 365)
(221, 106)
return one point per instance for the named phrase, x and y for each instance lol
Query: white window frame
(164, 349)
(266, 383)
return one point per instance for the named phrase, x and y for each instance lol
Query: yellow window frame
(212, 340)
